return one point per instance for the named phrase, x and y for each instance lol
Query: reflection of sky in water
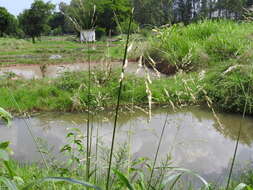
(193, 138)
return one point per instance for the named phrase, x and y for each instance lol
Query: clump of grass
(231, 88)
(200, 44)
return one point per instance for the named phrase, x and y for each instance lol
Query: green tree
(8, 23)
(153, 12)
(58, 22)
(87, 14)
(110, 13)
(34, 21)
(81, 13)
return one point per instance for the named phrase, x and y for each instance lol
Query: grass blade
(123, 179)
(187, 171)
(8, 183)
(241, 186)
(61, 179)
(157, 151)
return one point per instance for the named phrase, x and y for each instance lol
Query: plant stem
(238, 138)
(118, 104)
(88, 122)
(157, 150)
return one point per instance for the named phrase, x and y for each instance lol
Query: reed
(239, 134)
(118, 104)
(157, 151)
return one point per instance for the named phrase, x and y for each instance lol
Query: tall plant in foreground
(124, 64)
(239, 133)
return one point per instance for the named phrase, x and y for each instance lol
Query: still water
(192, 137)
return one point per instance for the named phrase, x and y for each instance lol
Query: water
(192, 137)
(55, 70)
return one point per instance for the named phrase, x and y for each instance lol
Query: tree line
(111, 16)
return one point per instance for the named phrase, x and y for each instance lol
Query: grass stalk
(28, 126)
(118, 103)
(96, 153)
(88, 119)
(238, 137)
(157, 151)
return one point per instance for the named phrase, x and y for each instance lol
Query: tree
(59, 24)
(8, 23)
(34, 21)
(153, 12)
(111, 13)
(105, 15)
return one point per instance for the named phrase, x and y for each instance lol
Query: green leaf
(8, 183)
(4, 145)
(60, 179)
(183, 170)
(241, 186)
(172, 177)
(5, 116)
(123, 179)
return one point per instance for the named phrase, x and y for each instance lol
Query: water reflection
(192, 136)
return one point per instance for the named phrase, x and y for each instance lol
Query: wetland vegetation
(193, 61)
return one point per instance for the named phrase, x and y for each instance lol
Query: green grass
(69, 92)
(18, 51)
(203, 44)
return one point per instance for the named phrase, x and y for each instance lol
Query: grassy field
(18, 51)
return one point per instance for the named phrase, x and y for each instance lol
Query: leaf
(5, 116)
(4, 145)
(4, 155)
(123, 179)
(189, 172)
(241, 186)
(60, 179)
(171, 178)
(8, 183)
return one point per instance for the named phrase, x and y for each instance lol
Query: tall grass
(199, 45)
(118, 103)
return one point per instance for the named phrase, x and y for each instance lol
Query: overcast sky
(17, 6)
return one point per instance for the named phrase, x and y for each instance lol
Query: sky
(17, 6)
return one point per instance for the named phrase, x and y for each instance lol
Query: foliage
(34, 21)
(201, 44)
(111, 13)
(80, 13)
(8, 23)
(5, 116)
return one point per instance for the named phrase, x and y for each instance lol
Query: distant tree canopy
(160, 12)
(8, 23)
(111, 13)
(100, 13)
(34, 21)
(81, 13)
(59, 24)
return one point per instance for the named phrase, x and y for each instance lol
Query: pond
(192, 137)
(56, 70)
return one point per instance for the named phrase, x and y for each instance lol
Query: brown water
(192, 137)
(52, 71)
